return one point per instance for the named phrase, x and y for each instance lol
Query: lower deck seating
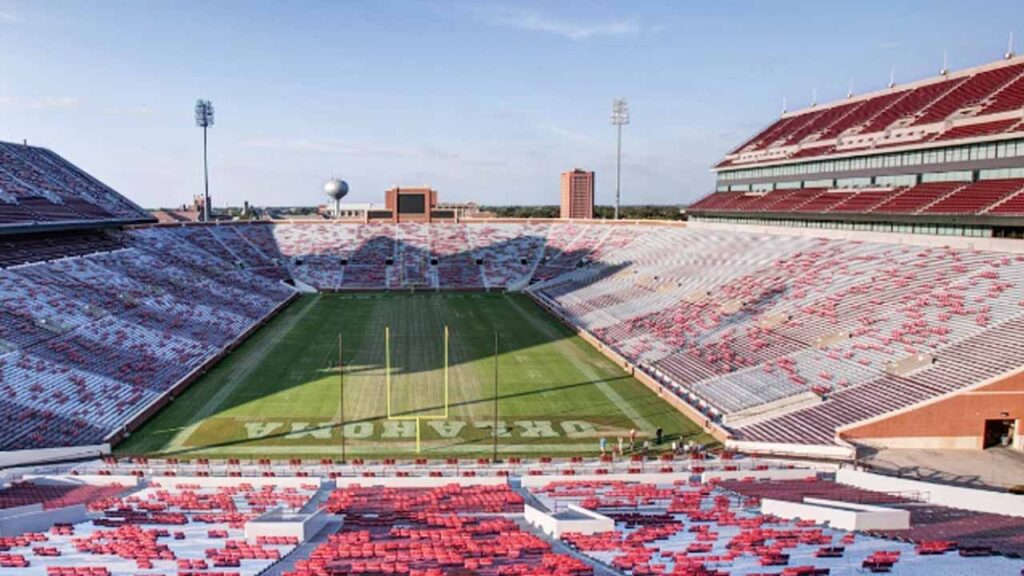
(447, 530)
(690, 528)
(87, 341)
(54, 494)
(783, 339)
(167, 527)
(965, 528)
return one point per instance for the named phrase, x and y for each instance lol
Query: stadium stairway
(560, 547)
(318, 499)
(304, 550)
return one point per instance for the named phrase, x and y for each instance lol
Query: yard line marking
(240, 371)
(571, 347)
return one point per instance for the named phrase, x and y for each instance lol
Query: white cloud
(328, 147)
(569, 134)
(129, 111)
(41, 103)
(571, 29)
(9, 17)
(889, 45)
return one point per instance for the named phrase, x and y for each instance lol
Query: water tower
(336, 190)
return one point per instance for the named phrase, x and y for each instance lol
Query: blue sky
(485, 101)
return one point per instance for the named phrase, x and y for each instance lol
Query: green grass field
(278, 395)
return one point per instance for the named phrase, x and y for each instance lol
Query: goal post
(416, 416)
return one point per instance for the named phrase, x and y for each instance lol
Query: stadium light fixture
(619, 118)
(204, 119)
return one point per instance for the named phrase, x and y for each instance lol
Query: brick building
(577, 194)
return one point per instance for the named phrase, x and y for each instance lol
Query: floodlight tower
(204, 119)
(620, 117)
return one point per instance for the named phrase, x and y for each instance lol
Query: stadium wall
(676, 402)
(811, 451)
(14, 458)
(949, 422)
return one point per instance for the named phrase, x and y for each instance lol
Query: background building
(577, 194)
(350, 210)
(410, 204)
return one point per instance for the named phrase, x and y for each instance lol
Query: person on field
(632, 439)
(604, 442)
(620, 446)
(658, 436)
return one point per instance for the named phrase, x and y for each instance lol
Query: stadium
(819, 371)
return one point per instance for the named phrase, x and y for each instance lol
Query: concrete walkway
(995, 468)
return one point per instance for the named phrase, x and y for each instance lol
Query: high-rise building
(577, 194)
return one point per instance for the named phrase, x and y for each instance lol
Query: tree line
(640, 212)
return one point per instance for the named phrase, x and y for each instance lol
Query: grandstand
(770, 341)
(937, 156)
(39, 189)
(773, 343)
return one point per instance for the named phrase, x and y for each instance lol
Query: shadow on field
(302, 357)
(335, 425)
(303, 350)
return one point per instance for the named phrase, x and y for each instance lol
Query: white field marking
(430, 449)
(388, 429)
(570, 347)
(240, 371)
(365, 390)
(466, 382)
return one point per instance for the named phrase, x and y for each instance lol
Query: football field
(280, 394)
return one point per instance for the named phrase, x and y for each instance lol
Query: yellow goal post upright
(387, 382)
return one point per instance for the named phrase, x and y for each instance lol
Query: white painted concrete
(952, 496)
(41, 520)
(770, 474)
(830, 452)
(224, 482)
(554, 527)
(420, 482)
(36, 456)
(277, 523)
(842, 515)
(126, 480)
